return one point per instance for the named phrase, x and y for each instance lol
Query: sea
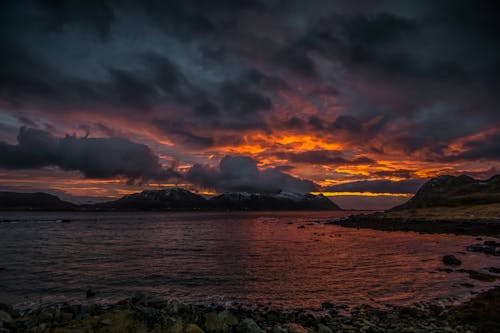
(281, 259)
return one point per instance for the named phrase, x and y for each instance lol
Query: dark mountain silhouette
(33, 201)
(173, 199)
(170, 199)
(279, 201)
(449, 191)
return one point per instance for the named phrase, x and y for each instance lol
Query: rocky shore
(146, 313)
(385, 222)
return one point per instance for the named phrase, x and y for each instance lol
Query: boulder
(323, 329)
(5, 317)
(220, 322)
(249, 326)
(451, 260)
(327, 305)
(193, 328)
(296, 328)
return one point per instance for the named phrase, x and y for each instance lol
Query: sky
(360, 100)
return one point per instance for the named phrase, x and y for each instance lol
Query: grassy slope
(469, 212)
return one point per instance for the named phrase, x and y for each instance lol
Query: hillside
(33, 201)
(450, 191)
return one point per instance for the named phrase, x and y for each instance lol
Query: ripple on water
(232, 257)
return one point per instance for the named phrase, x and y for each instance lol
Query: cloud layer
(330, 91)
(240, 173)
(93, 157)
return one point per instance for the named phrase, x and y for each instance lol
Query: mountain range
(442, 191)
(173, 199)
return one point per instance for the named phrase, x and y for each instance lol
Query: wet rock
(139, 298)
(90, 293)
(327, 305)
(481, 276)
(451, 260)
(193, 328)
(249, 326)
(494, 270)
(488, 247)
(296, 328)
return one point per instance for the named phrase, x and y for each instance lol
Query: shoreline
(146, 313)
(425, 225)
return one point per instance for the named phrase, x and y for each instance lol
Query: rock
(139, 298)
(296, 328)
(451, 260)
(249, 326)
(105, 322)
(278, 329)
(494, 270)
(323, 329)
(193, 328)
(6, 308)
(90, 293)
(64, 316)
(327, 305)
(5, 317)
(481, 276)
(488, 247)
(176, 327)
(220, 321)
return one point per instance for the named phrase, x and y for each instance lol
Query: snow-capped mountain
(272, 201)
(180, 199)
(175, 198)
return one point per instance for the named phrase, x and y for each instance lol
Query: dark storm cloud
(184, 133)
(326, 157)
(241, 173)
(93, 157)
(296, 61)
(147, 80)
(378, 186)
(95, 15)
(487, 148)
(193, 69)
(28, 80)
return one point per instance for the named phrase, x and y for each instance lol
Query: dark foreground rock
(487, 247)
(451, 260)
(144, 313)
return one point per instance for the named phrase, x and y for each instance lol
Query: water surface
(226, 257)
